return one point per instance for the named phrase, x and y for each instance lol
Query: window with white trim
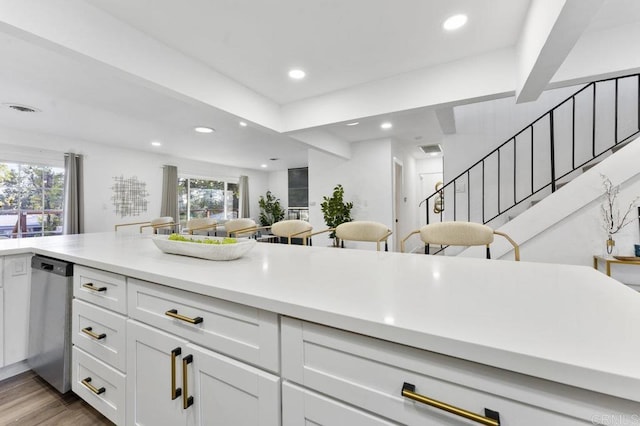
(31, 200)
(199, 198)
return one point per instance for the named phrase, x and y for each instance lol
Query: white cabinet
(98, 331)
(239, 331)
(370, 374)
(17, 292)
(171, 381)
(301, 406)
(154, 377)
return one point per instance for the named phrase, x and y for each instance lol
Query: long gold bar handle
(175, 392)
(187, 401)
(92, 287)
(173, 313)
(88, 385)
(492, 417)
(88, 330)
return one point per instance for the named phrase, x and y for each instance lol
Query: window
(207, 198)
(31, 200)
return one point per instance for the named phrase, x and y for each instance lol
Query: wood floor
(27, 400)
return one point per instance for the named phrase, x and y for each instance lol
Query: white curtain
(243, 189)
(73, 222)
(169, 206)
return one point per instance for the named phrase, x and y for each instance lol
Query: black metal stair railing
(536, 158)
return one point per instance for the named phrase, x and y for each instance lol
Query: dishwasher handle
(51, 266)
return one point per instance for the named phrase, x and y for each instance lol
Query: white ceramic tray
(205, 251)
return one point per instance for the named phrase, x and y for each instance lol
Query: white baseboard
(13, 370)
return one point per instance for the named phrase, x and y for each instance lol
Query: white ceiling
(339, 43)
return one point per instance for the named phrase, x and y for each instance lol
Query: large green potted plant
(270, 209)
(336, 211)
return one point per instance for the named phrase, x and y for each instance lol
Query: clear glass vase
(610, 247)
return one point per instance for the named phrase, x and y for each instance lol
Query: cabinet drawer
(304, 407)
(370, 373)
(108, 393)
(103, 288)
(99, 332)
(240, 331)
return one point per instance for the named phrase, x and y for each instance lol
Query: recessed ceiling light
(297, 74)
(243, 124)
(386, 125)
(156, 143)
(203, 129)
(263, 165)
(454, 22)
(355, 123)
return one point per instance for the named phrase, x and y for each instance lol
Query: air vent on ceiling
(431, 149)
(21, 108)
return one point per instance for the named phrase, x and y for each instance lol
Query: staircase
(561, 144)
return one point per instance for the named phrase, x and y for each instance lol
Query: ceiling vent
(21, 108)
(431, 149)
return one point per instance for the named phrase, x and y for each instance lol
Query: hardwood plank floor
(27, 400)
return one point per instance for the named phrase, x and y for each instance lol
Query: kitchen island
(569, 335)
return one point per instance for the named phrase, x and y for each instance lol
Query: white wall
(102, 163)
(278, 184)
(366, 179)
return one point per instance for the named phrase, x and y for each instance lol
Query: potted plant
(336, 211)
(270, 209)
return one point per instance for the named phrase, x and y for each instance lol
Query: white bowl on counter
(202, 250)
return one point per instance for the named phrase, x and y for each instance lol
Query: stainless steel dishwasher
(50, 321)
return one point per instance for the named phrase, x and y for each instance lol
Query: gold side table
(610, 260)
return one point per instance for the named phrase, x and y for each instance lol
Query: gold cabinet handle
(187, 401)
(87, 383)
(88, 331)
(92, 287)
(175, 392)
(491, 418)
(173, 313)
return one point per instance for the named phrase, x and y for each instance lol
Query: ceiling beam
(85, 32)
(447, 120)
(550, 31)
(324, 141)
(478, 78)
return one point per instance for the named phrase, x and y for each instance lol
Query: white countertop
(569, 324)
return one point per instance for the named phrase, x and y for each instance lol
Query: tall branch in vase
(613, 220)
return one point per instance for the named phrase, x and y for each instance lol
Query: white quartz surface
(569, 324)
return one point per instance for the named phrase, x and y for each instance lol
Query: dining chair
(459, 234)
(364, 230)
(201, 224)
(240, 227)
(155, 224)
(292, 228)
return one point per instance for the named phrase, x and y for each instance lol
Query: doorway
(398, 203)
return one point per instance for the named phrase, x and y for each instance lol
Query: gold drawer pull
(88, 330)
(92, 287)
(492, 417)
(173, 313)
(187, 401)
(92, 388)
(175, 392)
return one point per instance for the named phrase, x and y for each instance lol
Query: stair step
(618, 147)
(560, 185)
(588, 166)
(534, 202)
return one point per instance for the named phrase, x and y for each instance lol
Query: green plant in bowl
(178, 237)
